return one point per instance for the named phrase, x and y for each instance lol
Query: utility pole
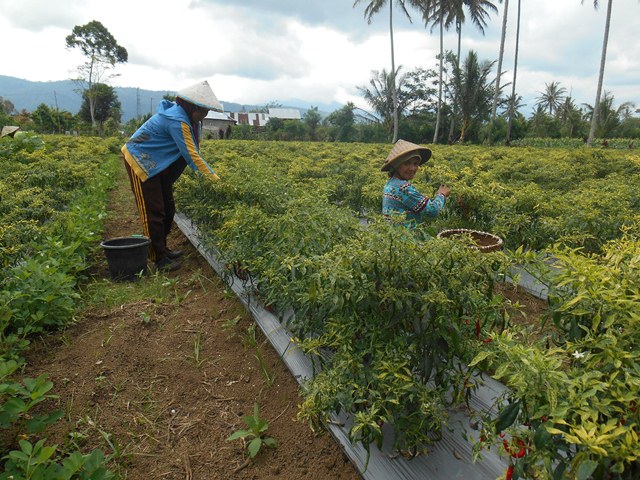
(55, 98)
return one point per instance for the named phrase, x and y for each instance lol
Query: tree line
(453, 98)
(461, 100)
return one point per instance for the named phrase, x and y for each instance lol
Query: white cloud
(37, 15)
(257, 51)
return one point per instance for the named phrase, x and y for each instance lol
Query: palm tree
(479, 14)
(379, 94)
(552, 97)
(515, 75)
(371, 9)
(438, 12)
(496, 92)
(603, 58)
(472, 91)
(571, 117)
(609, 116)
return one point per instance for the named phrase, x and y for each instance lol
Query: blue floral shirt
(400, 197)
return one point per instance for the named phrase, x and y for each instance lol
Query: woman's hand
(444, 190)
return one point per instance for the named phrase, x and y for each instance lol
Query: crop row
(53, 198)
(405, 324)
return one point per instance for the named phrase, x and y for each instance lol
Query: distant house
(257, 119)
(217, 125)
(285, 113)
(251, 118)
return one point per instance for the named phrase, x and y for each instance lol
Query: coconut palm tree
(515, 74)
(552, 97)
(479, 13)
(438, 13)
(370, 10)
(570, 117)
(603, 59)
(471, 90)
(379, 94)
(609, 117)
(496, 92)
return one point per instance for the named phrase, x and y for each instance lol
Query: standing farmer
(157, 154)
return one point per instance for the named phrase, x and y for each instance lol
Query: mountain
(62, 94)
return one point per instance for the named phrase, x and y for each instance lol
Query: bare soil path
(164, 378)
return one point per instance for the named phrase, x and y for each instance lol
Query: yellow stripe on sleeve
(195, 156)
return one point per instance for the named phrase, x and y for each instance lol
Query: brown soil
(527, 311)
(131, 374)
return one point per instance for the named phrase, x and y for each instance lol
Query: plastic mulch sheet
(448, 459)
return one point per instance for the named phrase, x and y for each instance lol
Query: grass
(106, 294)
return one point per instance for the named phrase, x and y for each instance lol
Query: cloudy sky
(257, 51)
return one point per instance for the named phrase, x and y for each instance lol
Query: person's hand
(444, 190)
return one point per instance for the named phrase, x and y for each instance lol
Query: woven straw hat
(8, 130)
(201, 95)
(403, 151)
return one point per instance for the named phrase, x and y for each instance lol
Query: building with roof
(254, 119)
(260, 119)
(285, 113)
(217, 125)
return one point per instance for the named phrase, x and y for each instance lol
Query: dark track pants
(156, 206)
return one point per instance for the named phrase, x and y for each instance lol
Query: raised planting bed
(448, 458)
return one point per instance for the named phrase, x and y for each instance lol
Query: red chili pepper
(487, 340)
(520, 453)
(478, 328)
(509, 474)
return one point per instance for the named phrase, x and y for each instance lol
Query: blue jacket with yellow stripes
(162, 140)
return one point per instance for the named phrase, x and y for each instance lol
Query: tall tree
(609, 117)
(312, 119)
(512, 109)
(43, 119)
(479, 13)
(552, 97)
(440, 13)
(603, 59)
(371, 9)
(6, 106)
(472, 91)
(102, 52)
(571, 118)
(379, 95)
(343, 123)
(503, 35)
(106, 105)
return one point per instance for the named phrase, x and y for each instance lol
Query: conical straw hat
(8, 130)
(403, 151)
(201, 95)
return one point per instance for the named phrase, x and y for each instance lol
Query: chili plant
(574, 405)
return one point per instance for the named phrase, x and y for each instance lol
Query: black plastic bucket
(127, 256)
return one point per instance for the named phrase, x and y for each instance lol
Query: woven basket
(483, 241)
